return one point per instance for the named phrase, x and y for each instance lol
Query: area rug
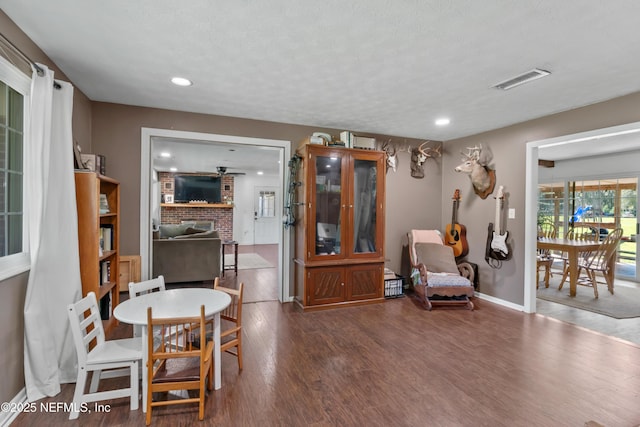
(248, 261)
(623, 304)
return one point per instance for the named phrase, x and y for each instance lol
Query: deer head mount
(392, 155)
(475, 163)
(419, 155)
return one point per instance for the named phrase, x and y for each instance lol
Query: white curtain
(50, 207)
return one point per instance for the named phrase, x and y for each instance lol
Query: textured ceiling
(377, 66)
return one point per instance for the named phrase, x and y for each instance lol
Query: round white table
(182, 302)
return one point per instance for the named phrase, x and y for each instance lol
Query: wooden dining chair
(544, 258)
(176, 364)
(231, 337)
(600, 261)
(140, 288)
(105, 359)
(230, 322)
(577, 233)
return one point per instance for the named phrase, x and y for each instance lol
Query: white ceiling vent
(527, 77)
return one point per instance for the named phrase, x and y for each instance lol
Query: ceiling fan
(222, 170)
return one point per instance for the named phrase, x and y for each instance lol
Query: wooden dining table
(572, 248)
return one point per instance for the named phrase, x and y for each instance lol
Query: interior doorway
(600, 138)
(595, 180)
(147, 203)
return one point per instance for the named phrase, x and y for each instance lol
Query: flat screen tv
(188, 188)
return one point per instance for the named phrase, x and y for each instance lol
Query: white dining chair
(105, 359)
(145, 287)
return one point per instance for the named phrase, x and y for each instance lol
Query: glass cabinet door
(328, 204)
(365, 202)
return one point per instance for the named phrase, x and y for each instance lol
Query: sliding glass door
(602, 204)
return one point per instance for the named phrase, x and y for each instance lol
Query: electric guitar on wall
(456, 234)
(497, 248)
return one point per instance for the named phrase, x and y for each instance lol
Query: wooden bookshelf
(99, 261)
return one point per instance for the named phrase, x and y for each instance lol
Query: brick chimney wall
(221, 216)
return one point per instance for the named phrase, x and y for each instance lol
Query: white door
(266, 224)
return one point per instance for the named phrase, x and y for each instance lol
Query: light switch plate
(512, 213)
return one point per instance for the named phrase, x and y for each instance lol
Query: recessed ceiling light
(260, 173)
(181, 81)
(443, 121)
(165, 154)
(173, 169)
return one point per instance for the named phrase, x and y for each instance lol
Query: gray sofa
(184, 253)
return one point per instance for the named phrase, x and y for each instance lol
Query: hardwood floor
(397, 364)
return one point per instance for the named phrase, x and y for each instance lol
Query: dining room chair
(582, 233)
(230, 322)
(140, 288)
(176, 364)
(600, 261)
(231, 336)
(544, 257)
(103, 358)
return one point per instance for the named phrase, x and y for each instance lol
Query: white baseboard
(7, 417)
(500, 301)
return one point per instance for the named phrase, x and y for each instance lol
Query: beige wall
(411, 203)
(508, 147)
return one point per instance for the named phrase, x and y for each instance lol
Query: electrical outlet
(512, 213)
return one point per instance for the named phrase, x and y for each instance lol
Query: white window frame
(12, 265)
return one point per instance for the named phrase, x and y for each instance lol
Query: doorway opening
(149, 206)
(595, 177)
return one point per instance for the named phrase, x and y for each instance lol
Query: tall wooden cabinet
(339, 255)
(98, 205)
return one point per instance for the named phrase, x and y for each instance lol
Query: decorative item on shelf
(103, 164)
(94, 162)
(77, 158)
(104, 204)
(364, 142)
(347, 138)
(168, 198)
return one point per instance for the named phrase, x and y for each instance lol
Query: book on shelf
(106, 237)
(104, 204)
(105, 306)
(105, 272)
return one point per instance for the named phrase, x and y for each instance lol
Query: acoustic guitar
(456, 234)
